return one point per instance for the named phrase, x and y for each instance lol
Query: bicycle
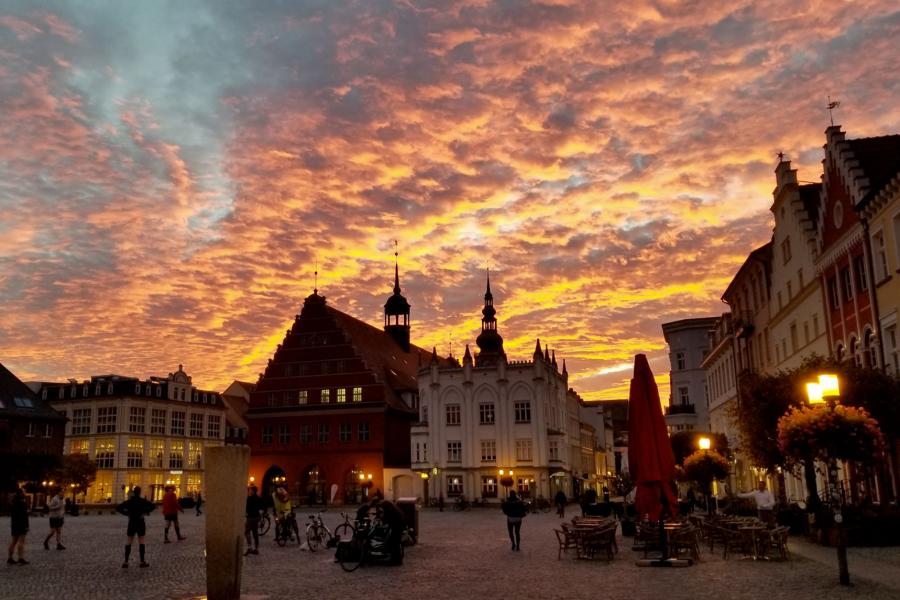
(462, 504)
(265, 522)
(317, 534)
(539, 504)
(345, 530)
(287, 530)
(370, 544)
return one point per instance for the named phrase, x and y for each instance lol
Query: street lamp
(827, 390)
(712, 504)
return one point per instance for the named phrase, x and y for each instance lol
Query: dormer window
(62, 393)
(149, 391)
(97, 389)
(44, 393)
(159, 391)
(137, 388)
(73, 392)
(109, 388)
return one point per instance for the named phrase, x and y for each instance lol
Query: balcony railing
(680, 409)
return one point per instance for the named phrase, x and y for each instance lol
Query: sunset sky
(170, 172)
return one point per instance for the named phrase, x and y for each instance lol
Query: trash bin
(410, 510)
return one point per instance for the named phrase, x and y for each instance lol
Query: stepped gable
(809, 195)
(879, 159)
(17, 399)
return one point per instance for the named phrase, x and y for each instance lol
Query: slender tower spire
(489, 341)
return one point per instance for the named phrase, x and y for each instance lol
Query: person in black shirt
(19, 525)
(254, 507)
(515, 510)
(135, 508)
(560, 500)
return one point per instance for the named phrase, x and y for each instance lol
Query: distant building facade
(149, 433)
(688, 341)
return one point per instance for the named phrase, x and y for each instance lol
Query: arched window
(854, 352)
(839, 352)
(869, 347)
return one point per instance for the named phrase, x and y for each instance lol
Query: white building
(491, 415)
(148, 433)
(688, 341)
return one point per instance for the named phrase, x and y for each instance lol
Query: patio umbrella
(650, 457)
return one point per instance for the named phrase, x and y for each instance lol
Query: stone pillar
(226, 494)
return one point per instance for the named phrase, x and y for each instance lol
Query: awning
(559, 474)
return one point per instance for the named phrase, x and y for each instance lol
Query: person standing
(253, 507)
(57, 517)
(170, 509)
(560, 500)
(136, 508)
(19, 526)
(765, 502)
(199, 503)
(515, 510)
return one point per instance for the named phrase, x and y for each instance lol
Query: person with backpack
(515, 510)
(136, 508)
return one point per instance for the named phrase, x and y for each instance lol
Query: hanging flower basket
(703, 466)
(842, 433)
(506, 481)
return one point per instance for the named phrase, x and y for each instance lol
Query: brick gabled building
(332, 412)
(854, 171)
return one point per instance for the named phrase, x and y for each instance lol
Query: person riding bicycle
(282, 504)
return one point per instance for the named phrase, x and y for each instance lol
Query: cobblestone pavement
(461, 555)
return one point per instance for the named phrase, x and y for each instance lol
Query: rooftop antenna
(316, 275)
(832, 104)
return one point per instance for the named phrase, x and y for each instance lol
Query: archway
(268, 482)
(354, 493)
(314, 484)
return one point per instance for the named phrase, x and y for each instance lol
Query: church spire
(396, 310)
(489, 341)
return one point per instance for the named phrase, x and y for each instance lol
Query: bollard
(226, 495)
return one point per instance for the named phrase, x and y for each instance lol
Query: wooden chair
(566, 541)
(686, 541)
(599, 543)
(732, 539)
(776, 540)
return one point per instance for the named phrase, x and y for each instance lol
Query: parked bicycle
(539, 504)
(345, 530)
(461, 504)
(265, 522)
(287, 530)
(371, 543)
(317, 533)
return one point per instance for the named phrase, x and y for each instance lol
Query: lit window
(302, 397)
(342, 395)
(454, 485)
(105, 453)
(325, 396)
(489, 487)
(357, 394)
(135, 457)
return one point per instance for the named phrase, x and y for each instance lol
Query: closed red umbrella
(650, 459)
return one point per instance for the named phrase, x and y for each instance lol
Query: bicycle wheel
(352, 554)
(316, 537)
(344, 531)
(280, 534)
(264, 524)
(296, 533)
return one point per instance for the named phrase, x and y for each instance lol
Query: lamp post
(827, 390)
(704, 443)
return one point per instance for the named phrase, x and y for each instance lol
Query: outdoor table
(753, 532)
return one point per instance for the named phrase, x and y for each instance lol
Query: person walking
(253, 507)
(170, 508)
(515, 510)
(765, 502)
(136, 508)
(19, 525)
(199, 503)
(560, 500)
(57, 517)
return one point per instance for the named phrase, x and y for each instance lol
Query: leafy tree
(685, 443)
(77, 469)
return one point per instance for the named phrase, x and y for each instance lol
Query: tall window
(213, 426)
(266, 434)
(357, 394)
(489, 487)
(302, 397)
(679, 361)
(325, 396)
(847, 284)
(881, 260)
(324, 430)
(795, 342)
(79, 447)
(344, 432)
(177, 425)
(523, 450)
(892, 350)
(195, 455)
(453, 414)
(135, 453)
(486, 413)
(157, 449)
(523, 412)
(786, 250)
(81, 421)
(196, 424)
(136, 419)
(157, 421)
(684, 396)
(488, 450)
(176, 454)
(284, 434)
(362, 432)
(553, 450)
(833, 293)
(862, 283)
(105, 453)
(305, 434)
(106, 419)
(342, 395)
(454, 452)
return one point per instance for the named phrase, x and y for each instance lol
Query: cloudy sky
(170, 172)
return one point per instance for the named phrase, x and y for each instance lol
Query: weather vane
(832, 104)
(780, 157)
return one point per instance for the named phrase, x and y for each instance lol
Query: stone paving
(461, 555)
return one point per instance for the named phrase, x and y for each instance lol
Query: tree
(77, 469)
(685, 443)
